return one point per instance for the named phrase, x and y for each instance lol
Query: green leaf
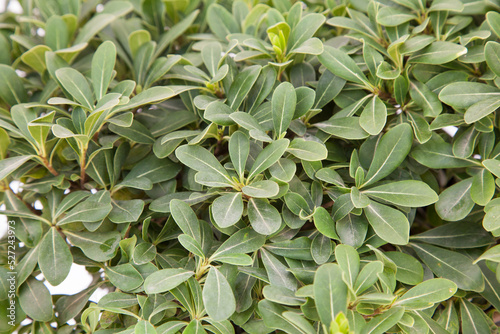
(409, 269)
(492, 165)
(481, 109)
(473, 318)
(462, 95)
(12, 90)
(137, 132)
(136, 39)
(191, 245)
(348, 260)
(312, 46)
(305, 29)
(436, 153)
(374, 116)
(165, 280)
(307, 150)
(218, 113)
(143, 253)
(221, 22)
(200, 159)
(386, 71)
(77, 85)
(391, 17)
(261, 189)
(211, 55)
(283, 170)
(250, 123)
(281, 295)
(283, 107)
(87, 211)
(425, 99)
(9, 165)
(454, 266)
(154, 169)
(438, 53)
(118, 299)
(298, 248)
(274, 318)
(174, 32)
(460, 234)
(390, 224)
(383, 322)
(26, 266)
(54, 259)
(305, 101)
(242, 85)
(446, 5)
(492, 55)
(329, 86)
(110, 13)
(321, 248)
(39, 128)
(409, 193)
(324, 223)
(56, 33)
(264, 218)
(368, 276)
(483, 187)
(171, 327)
(239, 149)
(103, 63)
(340, 64)
(227, 209)
(491, 221)
(390, 153)
(124, 276)
(426, 294)
(126, 211)
(343, 127)
(455, 202)
(35, 300)
(185, 218)
(268, 156)
(35, 57)
(241, 242)
(218, 296)
(277, 272)
(144, 327)
(352, 230)
(296, 203)
(98, 246)
(492, 254)
(330, 292)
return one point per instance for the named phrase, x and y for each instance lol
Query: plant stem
(32, 209)
(47, 165)
(83, 161)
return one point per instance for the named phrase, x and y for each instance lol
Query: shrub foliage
(252, 166)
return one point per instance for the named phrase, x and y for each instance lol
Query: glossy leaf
(218, 296)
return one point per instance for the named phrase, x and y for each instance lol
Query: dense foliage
(252, 166)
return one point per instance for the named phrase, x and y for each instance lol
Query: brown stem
(32, 209)
(328, 204)
(47, 165)
(127, 233)
(218, 147)
(82, 168)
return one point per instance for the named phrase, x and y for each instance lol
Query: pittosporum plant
(251, 166)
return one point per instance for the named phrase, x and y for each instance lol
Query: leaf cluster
(252, 166)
